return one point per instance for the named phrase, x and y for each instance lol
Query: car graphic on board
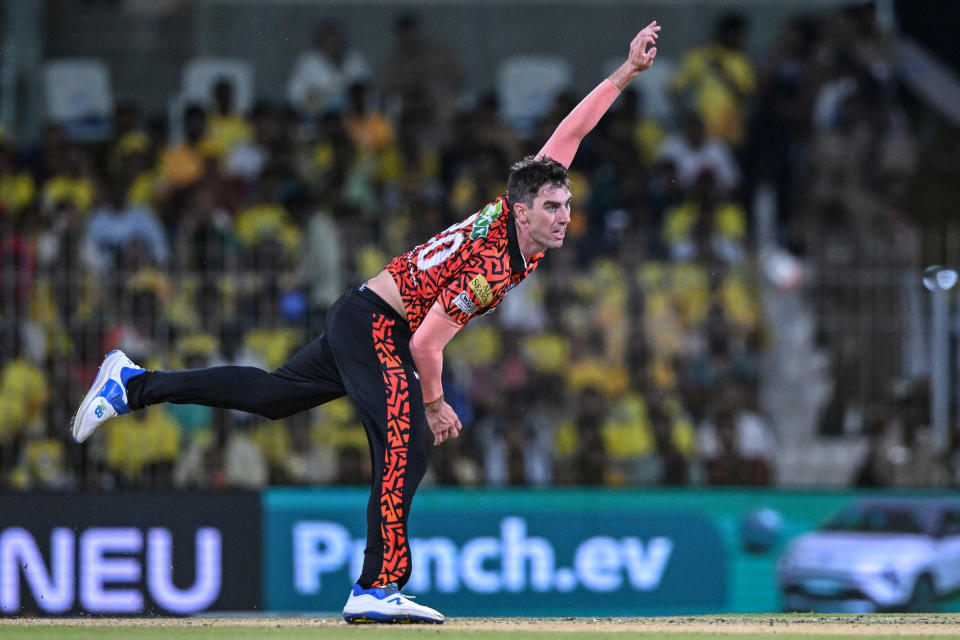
(878, 554)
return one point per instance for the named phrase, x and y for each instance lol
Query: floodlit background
(757, 289)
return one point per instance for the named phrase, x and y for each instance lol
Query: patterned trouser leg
(393, 529)
(370, 344)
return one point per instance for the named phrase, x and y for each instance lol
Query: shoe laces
(392, 588)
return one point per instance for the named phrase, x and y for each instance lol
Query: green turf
(221, 632)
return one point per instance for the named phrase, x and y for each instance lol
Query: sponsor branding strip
(481, 289)
(481, 226)
(465, 303)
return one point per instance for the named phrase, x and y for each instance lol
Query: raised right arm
(562, 145)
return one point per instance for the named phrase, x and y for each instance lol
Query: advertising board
(129, 553)
(512, 553)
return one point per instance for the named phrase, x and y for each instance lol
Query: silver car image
(876, 555)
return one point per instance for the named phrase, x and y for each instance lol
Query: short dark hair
(531, 173)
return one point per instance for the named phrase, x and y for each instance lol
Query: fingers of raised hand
(651, 31)
(447, 432)
(642, 41)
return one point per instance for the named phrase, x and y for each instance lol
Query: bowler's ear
(520, 212)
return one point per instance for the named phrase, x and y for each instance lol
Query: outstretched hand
(442, 420)
(641, 57)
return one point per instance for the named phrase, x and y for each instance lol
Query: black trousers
(365, 355)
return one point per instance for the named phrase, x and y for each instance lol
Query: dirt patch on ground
(816, 626)
(946, 625)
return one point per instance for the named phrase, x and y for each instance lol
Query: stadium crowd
(631, 357)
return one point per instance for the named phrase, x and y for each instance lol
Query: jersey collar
(518, 264)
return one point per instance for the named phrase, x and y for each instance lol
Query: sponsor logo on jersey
(465, 303)
(481, 289)
(481, 226)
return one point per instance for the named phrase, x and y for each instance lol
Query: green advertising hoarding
(548, 552)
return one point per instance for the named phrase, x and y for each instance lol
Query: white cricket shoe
(386, 605)
(108, 395)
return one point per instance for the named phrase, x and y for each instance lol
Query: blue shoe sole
(377, 618)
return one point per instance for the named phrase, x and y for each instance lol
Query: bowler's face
(549, 216)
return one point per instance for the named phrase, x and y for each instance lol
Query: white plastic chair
(79, 96)
(527, 85)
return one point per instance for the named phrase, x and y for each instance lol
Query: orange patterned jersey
(467, 268)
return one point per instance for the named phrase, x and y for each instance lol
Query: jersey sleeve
(475, 289)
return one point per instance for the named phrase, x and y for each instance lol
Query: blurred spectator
(223, 458)
(23, 396)
(717, 80)
(867, 152)
(116, 227)
(853, 45)
(42, 465)
(63, 253)
(136, 169)
(226, 128)
(661, 190)
(738, 443)
(781, 122)
(267, 225)
(204, 237)
(726, 464)
(17, 264)
(128, 135)
(516, 446)
(308, 461)
(182, 165)
(580, 443)
(336, 432)
(370, 131)
(248, 157)
(17, 188)
(692, 152)
(141, 448)
(902, 453)
(492, 130)
(71, 179)
(421, 68)
(270, 337)
(323, 269)
(706, 226)
(321, 75)
(674, 442)
(272, 438)
(647, 132)
(629, 442)
(376, 163)
(329, 157)
(142, 314)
